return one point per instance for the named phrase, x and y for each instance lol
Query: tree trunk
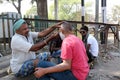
(56, 9)
(19, 7)
(42, 8)
(96, 17)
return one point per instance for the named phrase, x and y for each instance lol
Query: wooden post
(104, 20)
(8, 25)
(4, 37)
(106, 37)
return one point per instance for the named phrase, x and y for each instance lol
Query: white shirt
(93, 45)
(20, 50)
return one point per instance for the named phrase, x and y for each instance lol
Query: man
(24, 60)
(90, 42)
(74, 65)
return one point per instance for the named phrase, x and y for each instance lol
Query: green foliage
(69, 10)
(51, 12)
(116, 13)
(32, 11)
(66, 9)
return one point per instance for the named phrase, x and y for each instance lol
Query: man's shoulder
(16, 38)
(91, 36)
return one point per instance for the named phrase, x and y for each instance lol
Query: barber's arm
(49, 30)
(88, 47)
(40, 45)
(65, 65)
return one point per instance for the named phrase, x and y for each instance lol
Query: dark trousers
(90, 56)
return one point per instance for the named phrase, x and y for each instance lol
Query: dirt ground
(107, 66)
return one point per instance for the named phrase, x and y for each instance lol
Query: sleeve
(21, 45)
(89, 40)
(34, 34)
(66, 51)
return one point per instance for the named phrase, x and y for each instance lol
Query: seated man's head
(84, 30)
(65, 29)
(20, 26)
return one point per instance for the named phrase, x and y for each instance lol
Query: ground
(107, 66)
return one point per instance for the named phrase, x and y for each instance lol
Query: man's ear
(18, 30)
(63, 31)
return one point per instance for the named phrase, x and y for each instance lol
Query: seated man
(90, 42)
(24, 61)
(74, 64)
(55, 48)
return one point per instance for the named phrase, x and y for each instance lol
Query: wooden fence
(6, 32)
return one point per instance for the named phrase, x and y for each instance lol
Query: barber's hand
(58, 25)
(54, 35)
(39, 72)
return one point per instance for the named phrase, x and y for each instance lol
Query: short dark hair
(67, 25)
(84, 28)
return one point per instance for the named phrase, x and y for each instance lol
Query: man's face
(61, 29)
(83, 32)
(23, 30)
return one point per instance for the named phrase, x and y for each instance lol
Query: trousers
(65, 75)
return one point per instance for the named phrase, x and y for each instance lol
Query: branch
(15, 5)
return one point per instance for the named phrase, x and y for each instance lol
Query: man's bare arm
(49, 30)
(40, 45)
(65, 65)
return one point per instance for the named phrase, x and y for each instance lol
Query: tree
(32, 11)
(116, 13)
(68, 10)
(41, 8)
(56, 9)
(65, 9)
(16, 5)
